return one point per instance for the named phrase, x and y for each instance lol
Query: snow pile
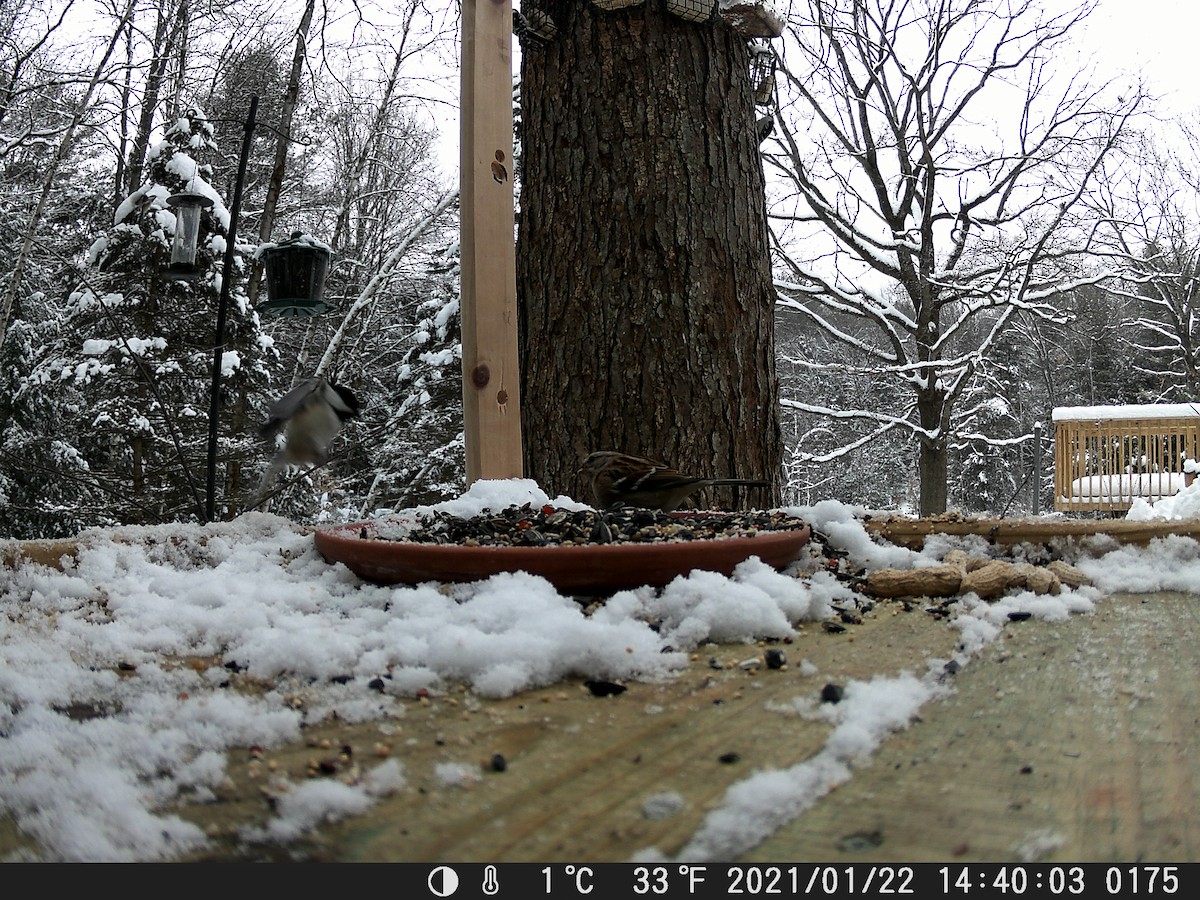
(112, 670)
(1184, 505)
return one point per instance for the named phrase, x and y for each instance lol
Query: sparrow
(636, 481)
(310, 416)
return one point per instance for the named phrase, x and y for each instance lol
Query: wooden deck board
(580, 768)
(1080, 735)
(1067, 741)
(1077, 737)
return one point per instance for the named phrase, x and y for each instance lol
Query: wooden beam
(491, 375)
(913, 532)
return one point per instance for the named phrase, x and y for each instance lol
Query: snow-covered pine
(130, 362)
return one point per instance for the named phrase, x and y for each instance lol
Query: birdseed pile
(530, 526)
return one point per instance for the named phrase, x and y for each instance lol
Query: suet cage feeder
(762, 73)
(537, 26)
(295, 272)
(188, 207)
(693, 10)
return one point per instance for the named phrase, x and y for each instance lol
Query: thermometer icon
(491, 884)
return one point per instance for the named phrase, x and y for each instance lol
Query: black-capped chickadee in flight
(310, 416)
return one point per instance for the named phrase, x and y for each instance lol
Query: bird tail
(277, 465)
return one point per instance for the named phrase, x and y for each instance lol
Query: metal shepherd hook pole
(222, 306)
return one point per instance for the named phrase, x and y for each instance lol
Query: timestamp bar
(655, 881)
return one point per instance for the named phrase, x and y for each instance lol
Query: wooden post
(491, 376)
(1037, 468)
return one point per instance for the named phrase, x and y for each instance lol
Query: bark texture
(643, 272)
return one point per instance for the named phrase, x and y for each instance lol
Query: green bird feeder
(295, 272)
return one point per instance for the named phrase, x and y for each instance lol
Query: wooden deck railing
(1105, 457)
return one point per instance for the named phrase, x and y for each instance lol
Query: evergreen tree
(46, 487)
(136, 346)
(425, 453)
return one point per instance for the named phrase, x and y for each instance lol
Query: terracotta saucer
(590, 569)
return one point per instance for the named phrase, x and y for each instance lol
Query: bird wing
(289, 404)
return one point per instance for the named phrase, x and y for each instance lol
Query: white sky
(1154, 37)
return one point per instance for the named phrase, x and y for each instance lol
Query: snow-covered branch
(369, 293)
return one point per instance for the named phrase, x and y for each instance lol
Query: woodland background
(1077, 284)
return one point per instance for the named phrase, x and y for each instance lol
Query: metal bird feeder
(693, 10)
(295, 272)
(762, 73)
(188, 207)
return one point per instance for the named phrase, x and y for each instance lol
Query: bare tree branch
(944, 157)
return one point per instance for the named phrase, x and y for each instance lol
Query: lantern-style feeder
(295, 272)
(187, 208)
(693, 10)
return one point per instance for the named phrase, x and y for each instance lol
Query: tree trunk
(170, 27)
(643, 272)
(83, 107)
(126, 104)
(932, 455)
(934, 402)
(286, 113)
(266, 223)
